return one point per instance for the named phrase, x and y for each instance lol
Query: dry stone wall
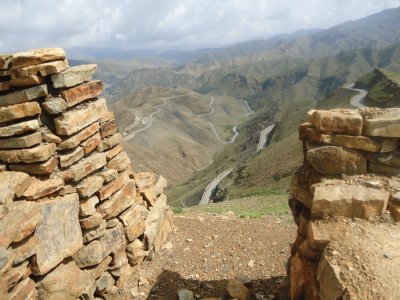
(345, 200)
(74, 218)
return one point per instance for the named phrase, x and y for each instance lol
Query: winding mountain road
(211, 107)
(205, 198)
(264, 135)
(246, 104)
(357, 100)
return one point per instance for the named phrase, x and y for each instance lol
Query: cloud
(160, 24)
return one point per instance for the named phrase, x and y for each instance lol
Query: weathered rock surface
(71, 157)
(74, 140)
(73, 76)
(113, 186)
(338, 120)
(40, 188)
(90, 185)
(43, 168)
(383, 123)
(88, 165)
(111, 142)
(80, 93)
(24, 95)
(39, 153)
(385, 163)
(55, 105)
(36, 56)
(19, 128)
(19, 111)
(25, 141)
(44, 69)
(27, 81)
(136, 252)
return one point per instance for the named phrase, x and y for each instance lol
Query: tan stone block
(5, 86)
(51, 138)
(36, 56)
(20, 222)
(237, 290)
(73, 76)
(144, 180)
(76, 139)
(67, 189)
(32, 155)
(25, 141)
(71, 157)
(73, 121)
(60, 225)
(109, 174)
(114, 151)
(348, 200)
(19, 128)
(91, 143)
(44, 69)
(31, 80)
(16, 274)
(80, 93)
(90, 185)
(332, 160)
(55, 105)
(317, 236)
(328, 276)
(106, 116)
(338, 120)
(108, 128)
(43, 168)
(12, 184)
(93, 232)
(111, 142)
(136, 252)
(6, 260)
(24, 95)
(23, 290)
(40, 188)
(92, 221)
(133, 221)
(394, 210)
(134, 231)
(120, 162)
(149, 195)
(88, 165)
(24, 249)
(88, 206)
(160, 185)
(118, 202)
(113, 186)
(383, 123)
(67, 274)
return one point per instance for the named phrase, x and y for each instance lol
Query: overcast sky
(167, 24)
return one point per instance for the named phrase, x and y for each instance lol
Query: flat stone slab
(90, 185)
(31, 155)
(73, 121)
(383, 122)
(31, 80)
(24, 95)
(25, 141)
(73, 76)
(5, 86)
(113, 186)
(120, 162)
(44, 69)
(19, 111)
(12, 184)
(111, 142)
(145, 180)
(19, 128)
(41, 188)
(88, 166)
(55, 105)
(42, 168)
(36, 56)
(71, 157)
(74, 140)
(338, 120)
(80, 93)
(60, 225)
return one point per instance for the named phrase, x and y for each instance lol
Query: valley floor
(208, 249)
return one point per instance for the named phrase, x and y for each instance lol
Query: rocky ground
(206, 251)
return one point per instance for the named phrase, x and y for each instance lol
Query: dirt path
(205, 251)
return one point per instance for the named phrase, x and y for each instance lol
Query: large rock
(73, 76)
(32, 155)
(348, 200)
(316, 236)
(384, 123)
(60, 225)
(73, 121)
(136, 252)
(39, 188)
(16, 274)
(90, 185)
(88, 206)
(42, 168)
(114, 151)
(145, 180)
(24, 141)
(108, 128)
(76, 139)
(338, 120)
(88, 165)
(24, 95)
(21, 221)
(55, 105)
(24, 249)
(329, 280)
(19, 111)
(93, 233)
(44, 69)
(158, 224)
(237, 290)
(82, 92)
(65, 282)
(12, 184)
(91, 143)
(19, 128)
(36, 56)
(331, 160)
(96, 251)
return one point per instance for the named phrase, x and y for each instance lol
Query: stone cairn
(350, 172)
(74, 218)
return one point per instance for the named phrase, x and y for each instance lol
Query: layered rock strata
(345, 200)
(75, 219)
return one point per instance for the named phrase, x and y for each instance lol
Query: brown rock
(348, 201)
(301, 191)
(144, 180)
(88, 206)
(113, 186)
(67, 189)
(160, 185)
(157, 226)
(136, 253)
(40, 188)
(133, 220)
(118, 202)
(383, 123)
(106, 116)
(25, 141)
(16, 274)
(90, 185)
(55, 105)
(71, 157)
(108, 128)
(388, 144)
(4, 86)
(73, 121)
(149, 195)
(91, 143)
(24, 95)
(120, 162)
(5, 61)
(328, 277)
(92, 221)
(331, 160)
(111, 142)
(105, 284)
(23, 290)
(50, 138)
(88, 165)
(316, 235)
(43, 168)
(96, 251)
(385, 163)
(53, 285)
(394, 210)
(19, 128)
(94, 232)
(6, 260)
(59, 224)
(165, 228)
(76, 139)
(31, 80)
(20, 222)
(80, 93)
(114, 151)
(19, 111)
(36, 56)
(73, 76)
(338, 120)
(32, 155)
(44, 69)
(12, 184)
(109, 174)
(237, 290)
(24, 249)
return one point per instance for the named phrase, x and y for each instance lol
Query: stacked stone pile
(349, 180)
(74, 218)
